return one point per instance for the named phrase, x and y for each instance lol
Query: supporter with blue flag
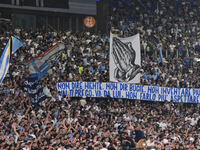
(12, 46)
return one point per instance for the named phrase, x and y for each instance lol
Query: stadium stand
(64, 123)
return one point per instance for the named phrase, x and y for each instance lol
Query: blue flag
(34, 89)
(16, 44)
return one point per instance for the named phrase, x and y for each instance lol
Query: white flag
(125, 59)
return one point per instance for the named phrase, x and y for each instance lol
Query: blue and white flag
(4, 61)
(40, 65)
(16, 44)
(34, 89)
(40, 71)
(12, 46)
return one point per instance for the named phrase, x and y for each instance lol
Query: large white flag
(125, 59)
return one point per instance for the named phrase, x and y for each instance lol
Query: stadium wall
(58, 21)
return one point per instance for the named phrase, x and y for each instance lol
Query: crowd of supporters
(73, 123)
(175, 25)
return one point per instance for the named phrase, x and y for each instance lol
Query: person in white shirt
(150, 142)
(61, 148)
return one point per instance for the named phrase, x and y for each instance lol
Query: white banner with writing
(129, 91)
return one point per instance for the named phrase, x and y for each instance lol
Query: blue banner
(129, 91)
(34, 89)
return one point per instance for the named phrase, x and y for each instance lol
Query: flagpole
(177, 53)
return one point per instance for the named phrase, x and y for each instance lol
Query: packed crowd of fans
(97, 124)
(74, 123)
(175, 25)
